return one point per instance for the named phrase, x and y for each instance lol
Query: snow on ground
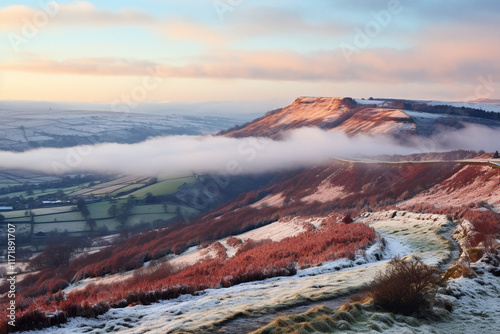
(405, 234)
(418, 230)
(422, 115)
(325, 109)
(377, 102)
(276, 231)
(378, 121)
(230, 251)
(476, 306)
(325, 193)
(495, 163)
(20, 126)
(279, 230)
(115, 278)
(194, 255)
(473, 192)
(275, 200)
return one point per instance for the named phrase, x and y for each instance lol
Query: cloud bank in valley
(176, 155)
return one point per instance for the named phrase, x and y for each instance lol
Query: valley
(22, 130)
(148, 256)
(249, 167)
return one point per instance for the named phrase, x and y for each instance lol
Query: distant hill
(378, 116)
(21, 130)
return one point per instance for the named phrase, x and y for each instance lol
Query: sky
(260, 52)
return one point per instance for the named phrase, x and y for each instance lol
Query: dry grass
(406, 287)
(457, 270)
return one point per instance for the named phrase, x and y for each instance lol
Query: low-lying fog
(180, 154)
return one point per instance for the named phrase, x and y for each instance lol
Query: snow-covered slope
(379, 116)
(471, 184)
(405, 234)
(329, 113)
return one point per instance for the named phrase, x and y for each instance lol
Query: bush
(457, 270)
(406, 287)
(51, 257)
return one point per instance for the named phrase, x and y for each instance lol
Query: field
(163, 187)
(73, 221)
(111, 187)
(66, 218)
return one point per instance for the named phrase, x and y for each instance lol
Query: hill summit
(380, 116)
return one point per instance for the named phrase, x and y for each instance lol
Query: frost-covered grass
(419, 230)
(476, 305)
(405, 234)
(350, 318)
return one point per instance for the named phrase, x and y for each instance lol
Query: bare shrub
(459, 269)
(51, 257)
(406, 287)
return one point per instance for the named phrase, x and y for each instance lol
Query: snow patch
(277, 231)
(275, 200)
(377, 102)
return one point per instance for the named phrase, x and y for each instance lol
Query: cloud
(73, 13)
(451, 51)
(471, 137)
(305, 147)
(282, 21)
(192, 31)
(82, 66)
(442, 52)
(462, 62)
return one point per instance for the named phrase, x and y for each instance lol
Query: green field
(22, 228)
(110, 224)
(149, 218)
(166, 187)
(53, 210)
(66, 218)
(100, 209)
(61, 227)
(62, 217)
(148, 209)
(14, 214)
(37, 192)
(127, 188)
(108, 188)
(17, 219)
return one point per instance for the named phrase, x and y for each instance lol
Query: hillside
(297, 228)
(382, 116)
(278, 244)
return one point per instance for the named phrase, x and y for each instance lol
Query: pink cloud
(73, 13)
(447, 54)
